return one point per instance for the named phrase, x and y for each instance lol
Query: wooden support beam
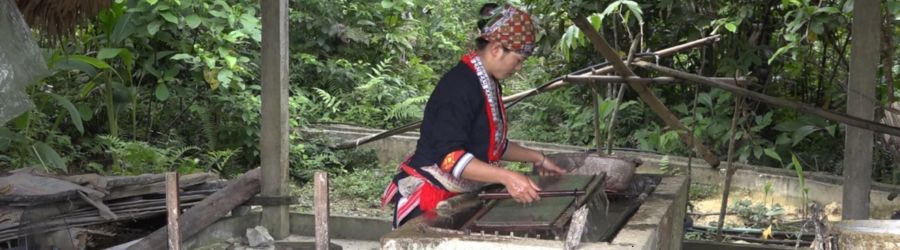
(172, 211)
(802, 107)
(321, 210)
(274, 137)
(207, 211)
(644, 92)
(552, 85)
(861, 98)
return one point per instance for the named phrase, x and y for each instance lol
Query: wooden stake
(643, 91)
(321, 210)
(173, 211)
(597, 134)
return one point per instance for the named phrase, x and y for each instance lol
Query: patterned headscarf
(512, 28)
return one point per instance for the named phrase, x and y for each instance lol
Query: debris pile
(42, 209)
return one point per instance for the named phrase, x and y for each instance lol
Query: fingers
(523, 190)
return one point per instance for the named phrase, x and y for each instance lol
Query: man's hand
(521, 188)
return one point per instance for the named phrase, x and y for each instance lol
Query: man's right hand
(521, 188)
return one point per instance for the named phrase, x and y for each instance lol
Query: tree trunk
(858, 143)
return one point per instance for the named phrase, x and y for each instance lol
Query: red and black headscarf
(512, 28)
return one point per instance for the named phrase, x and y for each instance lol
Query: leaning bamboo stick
(644, 91)
(802, 107)
(552, 85)
(644, 80)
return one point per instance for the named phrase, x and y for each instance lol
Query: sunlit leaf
(192, 21)
(162, 92)
(771, 153)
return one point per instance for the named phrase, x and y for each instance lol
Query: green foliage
(165, 76)
(700, 191)
(139, 157)
(757, 215)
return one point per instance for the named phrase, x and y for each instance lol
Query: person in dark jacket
(463, 134)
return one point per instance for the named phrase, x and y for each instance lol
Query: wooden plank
(644, 92)
(274, 137)
(172, 211)
(207, 211)
(861, 98)
(321, 210)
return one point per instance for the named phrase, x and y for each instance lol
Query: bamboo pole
(730, 169)
(552, 85)
(644, 91)
(644, 80)
(802, 107)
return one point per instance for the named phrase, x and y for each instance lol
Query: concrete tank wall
(824, 188)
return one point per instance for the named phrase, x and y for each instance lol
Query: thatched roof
(58, 18)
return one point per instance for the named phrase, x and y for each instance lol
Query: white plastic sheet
(21, 62)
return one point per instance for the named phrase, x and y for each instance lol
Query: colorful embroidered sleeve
(455, 162)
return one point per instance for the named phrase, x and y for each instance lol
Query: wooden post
(643, 91)
(173, 210)
(321, 210)
(207, 211)
(274, 137)
(859, 143)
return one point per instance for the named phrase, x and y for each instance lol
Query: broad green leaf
(153, 27)
(636, 10)
(612, 7)
(771, 153)
(828, 10)
(7, 134)
(801, 134)
(89, 60)
(162, 92)
(169, 17)
(831, 129)
(74, 115)
(153, 2)
(387, 4)
(123, 28)
(48, 157)
(182, 56)
(72, 64)
(731, 27)
(107, 53)
(780, 51)
(86, 113)
(192, 21)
